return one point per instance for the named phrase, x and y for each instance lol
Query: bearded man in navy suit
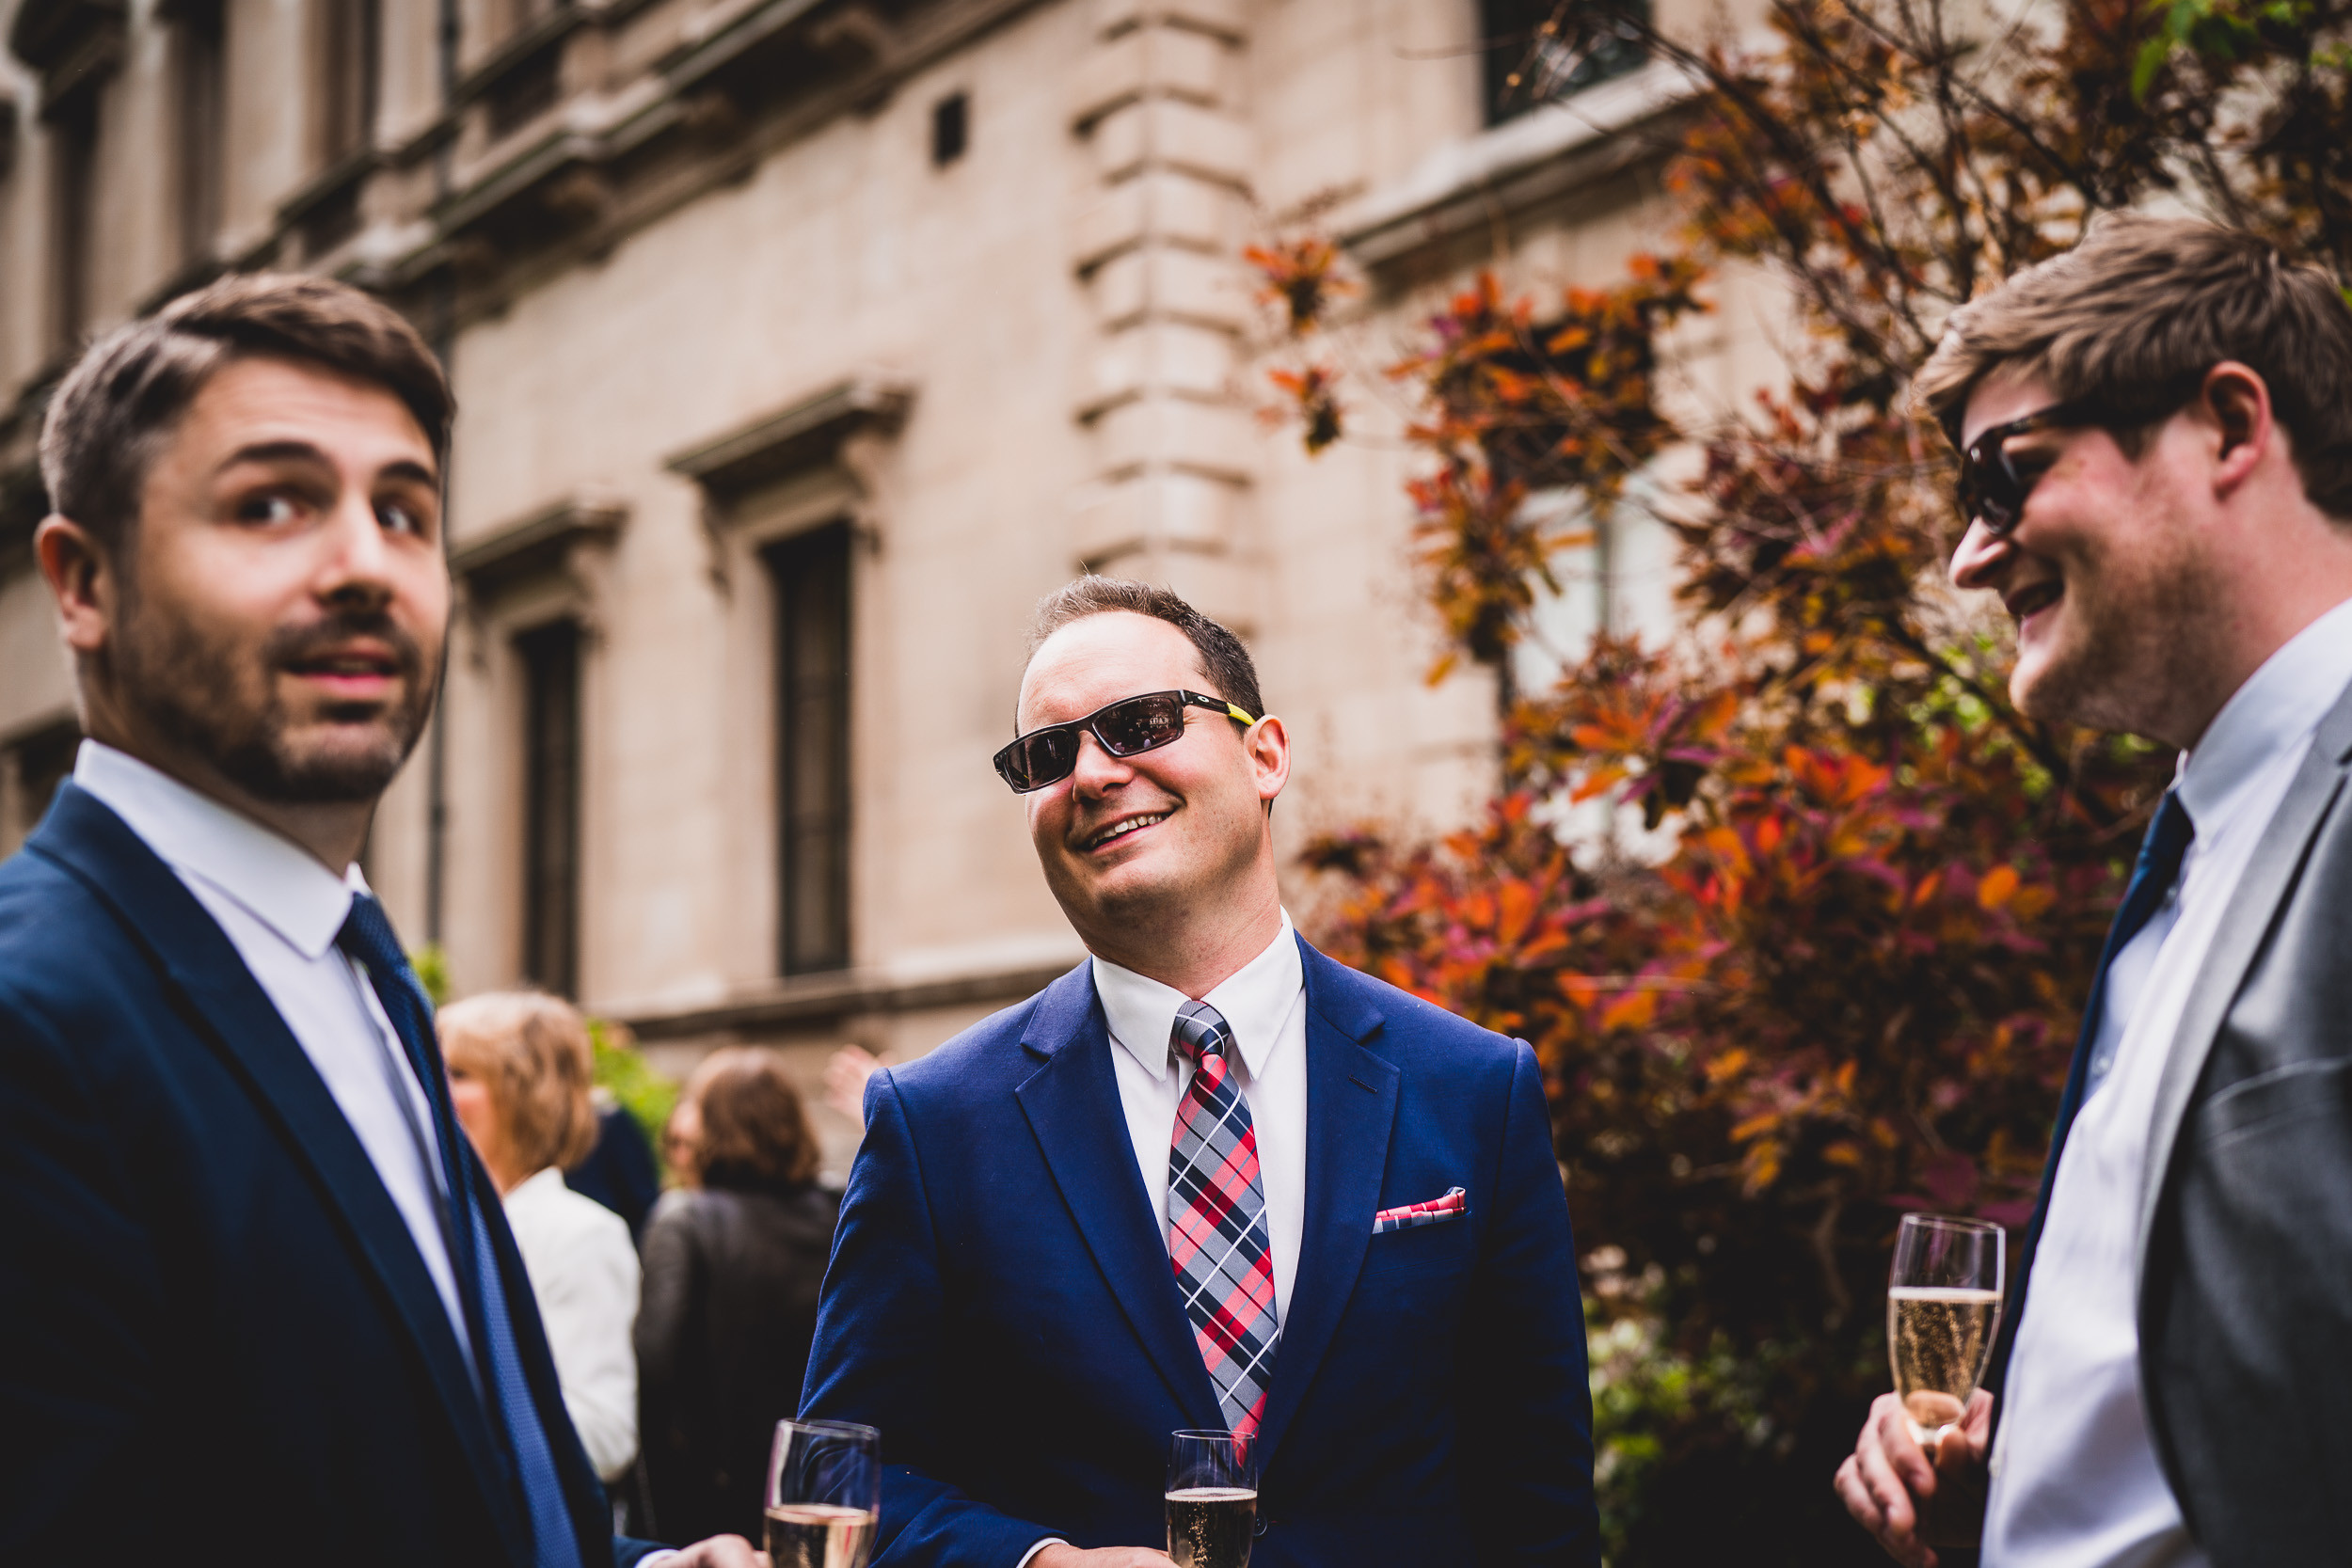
(261, 1304)
(1209, 1178)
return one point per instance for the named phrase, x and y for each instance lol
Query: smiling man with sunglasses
(1208, 1178)
(2157, 476)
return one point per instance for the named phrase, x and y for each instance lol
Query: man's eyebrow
(410, 468)
(407, 468)
(272, 451)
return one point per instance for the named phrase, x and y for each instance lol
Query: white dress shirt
(282, 910)
(1264, 1004)
(584, 1276)
(2075, 1479)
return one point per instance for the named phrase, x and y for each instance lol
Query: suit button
(1263, 1526)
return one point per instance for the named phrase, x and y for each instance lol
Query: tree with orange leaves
(1847, 982)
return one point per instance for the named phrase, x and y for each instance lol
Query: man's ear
(81, 578)
(1268, 745)
(2238, 401)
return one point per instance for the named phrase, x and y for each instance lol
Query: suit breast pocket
(1422, 1251)
(2271, 1103)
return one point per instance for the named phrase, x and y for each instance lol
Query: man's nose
(357, 565)
(1981, 556)
(1097, 769)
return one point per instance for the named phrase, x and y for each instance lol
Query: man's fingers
(1856, 1496)
(722, 1551)
(1898, 1519)
(1977, 1422)
(1890, 1423)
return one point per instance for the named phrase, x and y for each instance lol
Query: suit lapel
(2261, 892)
(234, 1017)
(1073, 1108)
(1351, 1107)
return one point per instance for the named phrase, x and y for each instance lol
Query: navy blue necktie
(367, 936)
(2152, 875)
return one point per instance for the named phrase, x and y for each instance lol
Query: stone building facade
(801, 346)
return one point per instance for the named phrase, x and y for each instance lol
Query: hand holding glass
(824, 1494)
(1943, 1305)
(1212, 1498)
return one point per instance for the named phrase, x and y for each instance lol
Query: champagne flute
(824, 1494)
(1212, 1498)
(1942, 1304)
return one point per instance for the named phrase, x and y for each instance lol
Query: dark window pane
(550, 664)
(950, 128)
(349, 74)
(74, 172)
(200, 63)
(1590, 42)
(810, 574)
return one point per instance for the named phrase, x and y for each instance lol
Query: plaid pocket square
(1435, 1211)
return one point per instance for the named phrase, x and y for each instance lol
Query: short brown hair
(1223, 659)
(533, 1053)
(127, 393)
(2131, 319)
(754, 1132)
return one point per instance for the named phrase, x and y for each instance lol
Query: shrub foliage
(1827, 964)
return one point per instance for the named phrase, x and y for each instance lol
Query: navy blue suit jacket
(1001, 1305)
(220, 1339)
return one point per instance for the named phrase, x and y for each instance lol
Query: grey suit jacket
(2245, 1224)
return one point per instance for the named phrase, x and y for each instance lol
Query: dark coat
(222, 1342)
(1000, 1303)
(723, 1335)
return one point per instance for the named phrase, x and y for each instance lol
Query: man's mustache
(291, 645)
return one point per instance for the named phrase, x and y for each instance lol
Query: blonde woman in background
(518, 1070)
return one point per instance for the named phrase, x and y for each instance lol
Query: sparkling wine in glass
(824, 1494)
(1212, 1498)
(1942, 1304)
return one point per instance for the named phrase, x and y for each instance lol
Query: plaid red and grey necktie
(1216, 1218)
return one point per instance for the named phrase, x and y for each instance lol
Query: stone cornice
(570, 183)
(1521, 164)
(797, 436)
(73, 44)
(540, 542)
(807, 1000)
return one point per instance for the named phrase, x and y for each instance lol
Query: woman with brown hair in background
(519, 1069)
(733, 1262)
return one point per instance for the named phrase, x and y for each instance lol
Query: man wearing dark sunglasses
(2156, 479)
(1207, 1180)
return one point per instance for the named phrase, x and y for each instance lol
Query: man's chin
(1123, 890)
(336, 768)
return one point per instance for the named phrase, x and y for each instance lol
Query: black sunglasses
(1126, 728)
(1992, 485)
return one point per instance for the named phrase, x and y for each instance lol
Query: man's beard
(222, 704)
(2131, 655)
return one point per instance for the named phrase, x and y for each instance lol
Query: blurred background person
(518, 1070)
(681, 1136)
(845, 1081)
(619, 1171)
(733, 1264)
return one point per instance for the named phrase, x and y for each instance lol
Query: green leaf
(645, 1094)
(431, 967)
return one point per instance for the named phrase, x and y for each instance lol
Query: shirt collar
(536, 1187)
(282, 885)
(1255, 1001)
(2278, 706)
